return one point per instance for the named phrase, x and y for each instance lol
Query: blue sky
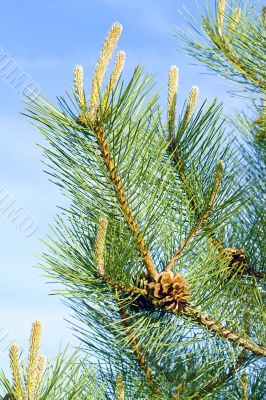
(46, 39)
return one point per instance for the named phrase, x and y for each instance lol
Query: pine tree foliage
(231, 41)
(237, 33)
(161, 295)
(65, 377)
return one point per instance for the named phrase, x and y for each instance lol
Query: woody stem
(123, 201)
(226, 333)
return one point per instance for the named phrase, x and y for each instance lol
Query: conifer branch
(215, 383)
(14, 365)
(203, 219)
(239, 66)
(222, 331)
(120, 387)
(122, 200)
(174, 141)
(210, 324)
(244, 383)
(134, 344)
(176, 394)
(122, 288)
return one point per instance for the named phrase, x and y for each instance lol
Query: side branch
(122, 288)
(222, 331)
(204, 217)
(120, 387)
(238, 65)
(122, 199)
(184, 311)
(215, 383)
(125, 317)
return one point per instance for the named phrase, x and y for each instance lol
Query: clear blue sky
(47, 38)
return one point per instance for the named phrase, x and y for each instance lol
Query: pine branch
(204, 217)
(215, 383)
(238, 53)
(222, 45)
(134, 344)
(201, 318)
(244, 383)
(190, 193)
(222, 331)
(122, 199)
(120, 287)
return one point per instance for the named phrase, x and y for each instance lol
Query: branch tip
(172, 95)
(220, 16)
(191, 104)
(102, 64)
(79, 87)
(117, 71)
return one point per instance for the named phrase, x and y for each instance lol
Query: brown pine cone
(168, 292)
(238, 261)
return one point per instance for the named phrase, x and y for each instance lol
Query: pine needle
(195, 229)
(234, 20)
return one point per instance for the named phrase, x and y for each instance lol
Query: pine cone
(168, 292)
(238, 260)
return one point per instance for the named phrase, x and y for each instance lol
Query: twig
(208, 323)
(215, 383)
(221, 45)
(123, 201)
(134, 344)
(204, 217)
(222, 331)
(123, 288)
(120, 387)
(244, 383)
